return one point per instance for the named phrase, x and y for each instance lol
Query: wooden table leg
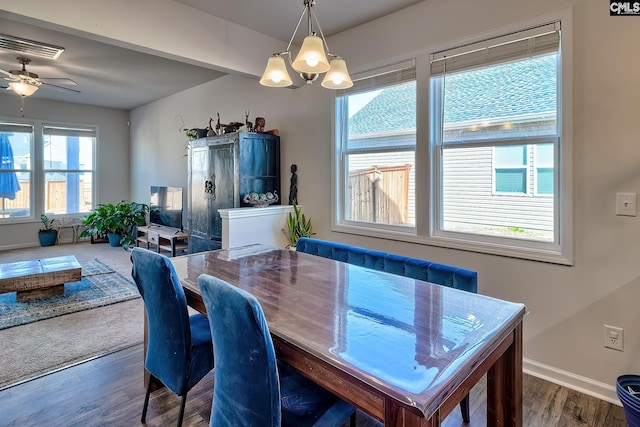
(395, 415)
(504, 386)
(50, 291)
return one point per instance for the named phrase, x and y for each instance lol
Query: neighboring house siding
(469, 198)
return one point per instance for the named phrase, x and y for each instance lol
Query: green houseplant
(298, 225)
(117, 222)
(47, 235)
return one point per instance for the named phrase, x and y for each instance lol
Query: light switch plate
(626, 204)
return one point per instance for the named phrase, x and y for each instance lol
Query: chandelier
(310, 62)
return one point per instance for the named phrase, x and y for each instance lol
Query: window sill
(502, 248)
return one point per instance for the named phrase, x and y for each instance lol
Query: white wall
(113, 171)
(567, 305)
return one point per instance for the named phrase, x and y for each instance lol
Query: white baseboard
(20, 246)
(602, 391)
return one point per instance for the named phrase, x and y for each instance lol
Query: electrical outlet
(626, 204)
(614, 337)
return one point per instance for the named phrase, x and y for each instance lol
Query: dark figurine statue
(293, 189)
(248, 125)
(259, 127)
(259, 124)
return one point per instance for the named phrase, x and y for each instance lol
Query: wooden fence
(56, 197)
(380, 194)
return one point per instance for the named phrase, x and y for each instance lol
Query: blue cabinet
(222, 171)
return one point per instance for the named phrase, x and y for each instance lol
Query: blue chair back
(169, 335)
(246, 390)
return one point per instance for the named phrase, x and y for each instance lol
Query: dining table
(403, 351)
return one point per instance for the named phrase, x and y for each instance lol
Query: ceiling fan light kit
(23, 88)
(310, 62)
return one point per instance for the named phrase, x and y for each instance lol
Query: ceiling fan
(25, 83)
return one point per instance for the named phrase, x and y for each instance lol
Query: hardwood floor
(108, 391)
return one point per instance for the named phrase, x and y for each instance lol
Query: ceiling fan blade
(58, 81)
(68, 89)
(10, 76)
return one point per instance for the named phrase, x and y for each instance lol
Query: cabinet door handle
(210, 188)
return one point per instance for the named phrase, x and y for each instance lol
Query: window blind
(522, 44)
(5, 127)
(56, 131)
(381, 77)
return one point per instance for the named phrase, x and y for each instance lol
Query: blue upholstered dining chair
(251, 388)
(179, 346)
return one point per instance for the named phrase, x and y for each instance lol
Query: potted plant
(297, 226)
(117, 222)
(47, 235)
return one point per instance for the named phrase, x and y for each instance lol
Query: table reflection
(409, 339)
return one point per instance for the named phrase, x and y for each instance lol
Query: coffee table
(39, 278)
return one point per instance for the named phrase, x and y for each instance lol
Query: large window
(45, 168)
(378, 149)
(68, 169)
(482, 132)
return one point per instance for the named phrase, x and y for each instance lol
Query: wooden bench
(39, 278)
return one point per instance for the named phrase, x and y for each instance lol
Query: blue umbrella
(9, 185)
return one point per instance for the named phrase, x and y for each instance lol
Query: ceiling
(116, 77)
(107, 75)
(278, 18)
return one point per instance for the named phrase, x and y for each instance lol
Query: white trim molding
(599, 390)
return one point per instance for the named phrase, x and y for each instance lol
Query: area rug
(100, 286)
(43, 345)
(41, 348)
(94, 267)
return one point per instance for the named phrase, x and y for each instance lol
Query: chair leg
(464, 408)
(352, 420)
(182, 404)
(146, 403)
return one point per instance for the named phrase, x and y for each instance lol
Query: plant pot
(48, 237)
(114, 239)
(628, 390)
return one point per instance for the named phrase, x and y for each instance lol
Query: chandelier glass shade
(276, 75)
(311, 58)
(310, 62)
(338, 76)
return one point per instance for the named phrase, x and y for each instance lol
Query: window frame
(427, 172)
